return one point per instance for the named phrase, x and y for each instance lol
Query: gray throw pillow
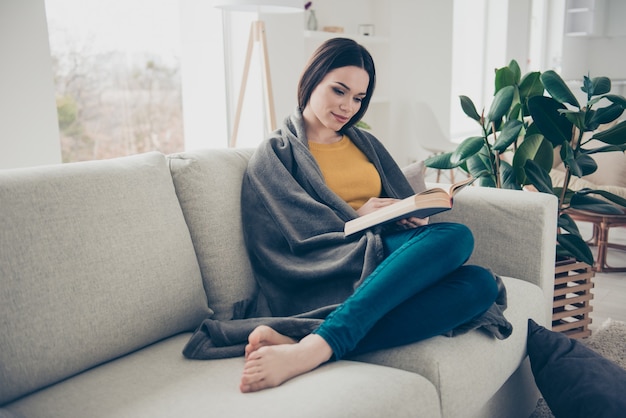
(574, 380)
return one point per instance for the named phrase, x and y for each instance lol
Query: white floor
(609, 291)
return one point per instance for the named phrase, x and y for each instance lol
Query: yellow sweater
(347, 171)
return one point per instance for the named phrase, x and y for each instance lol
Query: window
(134, 76)
(117, 74)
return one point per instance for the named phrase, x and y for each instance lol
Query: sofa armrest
(514, 231)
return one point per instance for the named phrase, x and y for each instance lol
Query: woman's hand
(412, 222)
(375, 203)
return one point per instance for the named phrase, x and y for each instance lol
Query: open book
(421, 205)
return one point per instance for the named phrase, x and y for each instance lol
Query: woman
(323, 295)
(394, 285)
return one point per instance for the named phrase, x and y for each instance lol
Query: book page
(422, 205)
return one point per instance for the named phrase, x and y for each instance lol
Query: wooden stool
(601, 225)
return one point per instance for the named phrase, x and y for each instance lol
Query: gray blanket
(293, 226)
(293, 223)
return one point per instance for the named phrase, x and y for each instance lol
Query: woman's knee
(483, 288)
(464, 235)
(456, 236)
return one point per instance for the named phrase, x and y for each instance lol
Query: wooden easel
(257, 36)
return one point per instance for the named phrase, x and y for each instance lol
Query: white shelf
(584, 17)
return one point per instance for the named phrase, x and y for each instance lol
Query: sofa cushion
(158, 382)
(208, 185)
(96, 262)
(455, 365)
(575, 380)
(611, 165)
(557, 176)
(414, 173)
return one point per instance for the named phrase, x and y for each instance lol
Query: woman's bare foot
(262, 336)
(272, 365)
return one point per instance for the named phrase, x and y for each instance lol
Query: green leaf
(573, 166)
(440, 161)
(606, 114)
(577, 118)
(587, 87)
(616, 135)
(480, 174)
(504, 77)
(593, 101)
(534, 148)
(480, 168)
(532, 130)
(558, 191)
(583, 201)
(507, 176)
(530, 86)
(599, 85)
(557, 88)
(508, 135)
(538, 177)
(607, 195)
(604, 148)
(546, 116)
(586, 164)
(469, 109)
(620, 100)
(515, 112)
(568, 224)
(486, 180)
(567, 154)
(467, 149)
(517, 72)
(576, 247)
(501, 103)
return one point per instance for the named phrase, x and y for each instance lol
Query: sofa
(107, 267)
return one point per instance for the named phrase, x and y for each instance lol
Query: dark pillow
(574, 380)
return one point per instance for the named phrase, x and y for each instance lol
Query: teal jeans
(421, 289)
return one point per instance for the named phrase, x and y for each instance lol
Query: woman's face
(337, 98)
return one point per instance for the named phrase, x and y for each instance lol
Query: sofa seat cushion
(96, 262)
(468, 370)
(158, 382)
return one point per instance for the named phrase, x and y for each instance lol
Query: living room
(75, 356)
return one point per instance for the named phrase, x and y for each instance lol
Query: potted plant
(520, 132)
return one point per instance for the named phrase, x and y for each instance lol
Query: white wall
(204, 95)
(29, 133)
(421, 47)
(285, 46)
(518, 28)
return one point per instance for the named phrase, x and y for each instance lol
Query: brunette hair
(332, 54)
